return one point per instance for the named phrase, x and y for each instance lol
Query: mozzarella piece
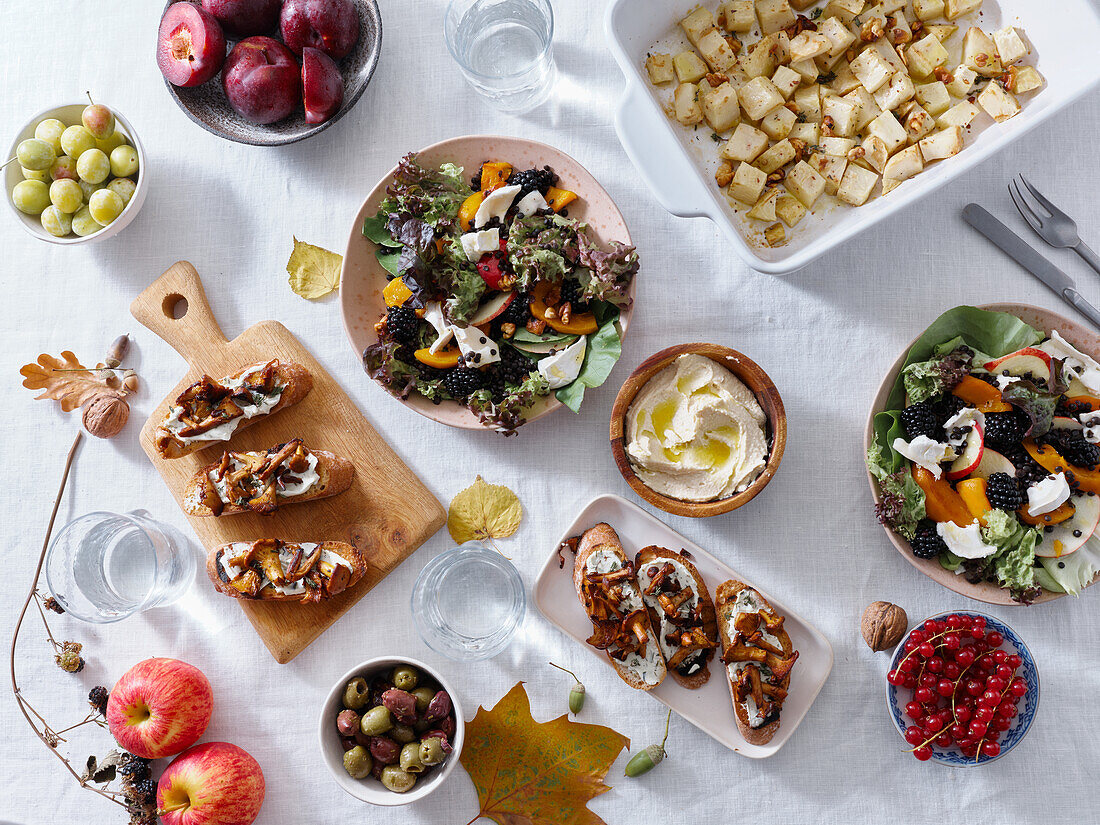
(477, 348)
(1090, 421)
(476, 244)
(924, 452)
(1048, 495)
(495, 205)
(1080, 366)
(562, 368)
(965, 542)
(966, 417)
(433, 314)
(531, 203)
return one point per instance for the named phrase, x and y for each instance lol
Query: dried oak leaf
(64, 379)
(537, 773)
(314, 272)
(484, 511)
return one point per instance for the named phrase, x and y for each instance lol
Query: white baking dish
(678, 163)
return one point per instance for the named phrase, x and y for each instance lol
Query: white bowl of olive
(391, 731)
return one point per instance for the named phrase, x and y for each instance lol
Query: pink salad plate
(1042, 319)
(363, 278)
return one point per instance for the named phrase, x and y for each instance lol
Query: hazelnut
(105, 416)
(883, 625)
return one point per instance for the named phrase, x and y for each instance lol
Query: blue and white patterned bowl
(1027, 706)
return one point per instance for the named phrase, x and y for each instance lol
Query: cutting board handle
(174, 306)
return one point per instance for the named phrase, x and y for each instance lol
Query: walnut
(724, 174)
(856, 152)
(716, 79)
(507, 330)
(777, 176)
(871, 30)
(799, 147)
(734, 44)
(941, 74)
(565, 312)
(883, 625)
(827, 126)
(105, 416)
(535, 326)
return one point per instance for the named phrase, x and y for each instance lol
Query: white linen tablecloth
(826, 335)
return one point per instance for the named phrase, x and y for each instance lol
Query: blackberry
(402, 324)
(462, 381)
(1071, 445)
(927, 544)
(1004, 492)
(921, 419)
(530, 180)
(518, 311)
(97, 698)
(134, 768)
(1005, 430)
(145, 790)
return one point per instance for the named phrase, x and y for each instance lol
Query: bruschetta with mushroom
(282, 571)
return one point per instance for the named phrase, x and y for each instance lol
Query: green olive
(396, 779)
(405, 678)
(355, 694)
(403, 734)
(410, 758)
(423, 695)
(376, 721)
(357, 762)
(431, 751)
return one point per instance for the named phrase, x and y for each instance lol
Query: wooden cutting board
(387, 513)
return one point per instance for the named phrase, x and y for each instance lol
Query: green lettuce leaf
(927, 379)
(603, 350)
(901, 503)
(374, 229)
(1013, 564)
(1074, 572)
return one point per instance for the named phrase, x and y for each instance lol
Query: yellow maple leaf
(314, 272)
(484, 511)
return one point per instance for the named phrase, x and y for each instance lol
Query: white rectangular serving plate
(710, 707)
(678, 163)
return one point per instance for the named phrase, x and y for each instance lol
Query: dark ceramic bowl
(208, 106)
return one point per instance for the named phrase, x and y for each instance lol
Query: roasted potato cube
(807, 70)
(737, 15)
(696, 24)
(748, 183)
(831, 168)
(720, 106)
(925, 55)
(918, 122)
(801, 5)
(1010, 46)
(808, 101)
(942, 144)
(777, 156)
(961, 114)
(887, 127)
(765, 207)
(843, 114)
(875, 152)
(891, 6)
(757, 60)
(775, 235)
(1027, 80)
(777, 123)
(868, 109)
(746, 144)
(774, 15)
(716, 51)
(805, 183)
(659, 67)
(934, 97)
(789, 210)
(779, 44)
(980, 54)
(953, 9)
(962, 81)
(926, 10)
(844, 81)
(941, 31)
(786, 80)
(871, 70)
(889, 54)
(899, 90)
(759, 96)
(690, 68)
(904, 164)
(999, 104)
(808, 133)
(686, 104)
(837, 34)
(844, 10)
(807, 45)
(837, 146)
(856, 185)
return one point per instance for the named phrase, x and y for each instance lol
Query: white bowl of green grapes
(76, 174)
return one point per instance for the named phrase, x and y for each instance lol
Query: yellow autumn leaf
(484, 511)
(314, 272)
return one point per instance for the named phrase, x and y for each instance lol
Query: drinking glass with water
(103, 567)
(505, 49)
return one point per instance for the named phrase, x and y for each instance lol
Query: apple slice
(1064, 422)
(492, 308)
(993, 462)
(970, 457)
(1020, 363)
(1062, 539)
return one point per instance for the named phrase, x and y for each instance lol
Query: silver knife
(1020, 251)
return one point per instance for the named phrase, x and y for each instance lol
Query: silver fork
(1049, 222)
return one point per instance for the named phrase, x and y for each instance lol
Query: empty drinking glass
(103, 567)
(505, 49)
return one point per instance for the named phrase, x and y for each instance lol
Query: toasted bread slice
(201, 498)
(295, 380)
(325, 577)
(694, 671)
(724, 599)
(602, 538)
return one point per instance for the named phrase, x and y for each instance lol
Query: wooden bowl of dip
(752, 376)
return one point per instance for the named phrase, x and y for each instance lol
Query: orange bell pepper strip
(1050, 460)
(984, 397)
(1063, 512)
(1090, 401)
(972, 491)
(941, 502)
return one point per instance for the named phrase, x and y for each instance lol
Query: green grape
(66, 195)
(124, 161)
(84, 224)
(93, 166)
(105, 206)
(109, 144)
(30, 196)
(35, 154)
(57, 223)
(124, 187)
(76, 140)
(35, 174)
(50, 131)
(64, 167)
(89, 188)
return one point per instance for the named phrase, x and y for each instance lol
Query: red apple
(329, 25)
(322, 85)
(1021, 362)
(993, 462)
(159, 707)
(492, 308)
(215, 783)
(190, 45)
(243, 18)
(971, 456)
(262, 80)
